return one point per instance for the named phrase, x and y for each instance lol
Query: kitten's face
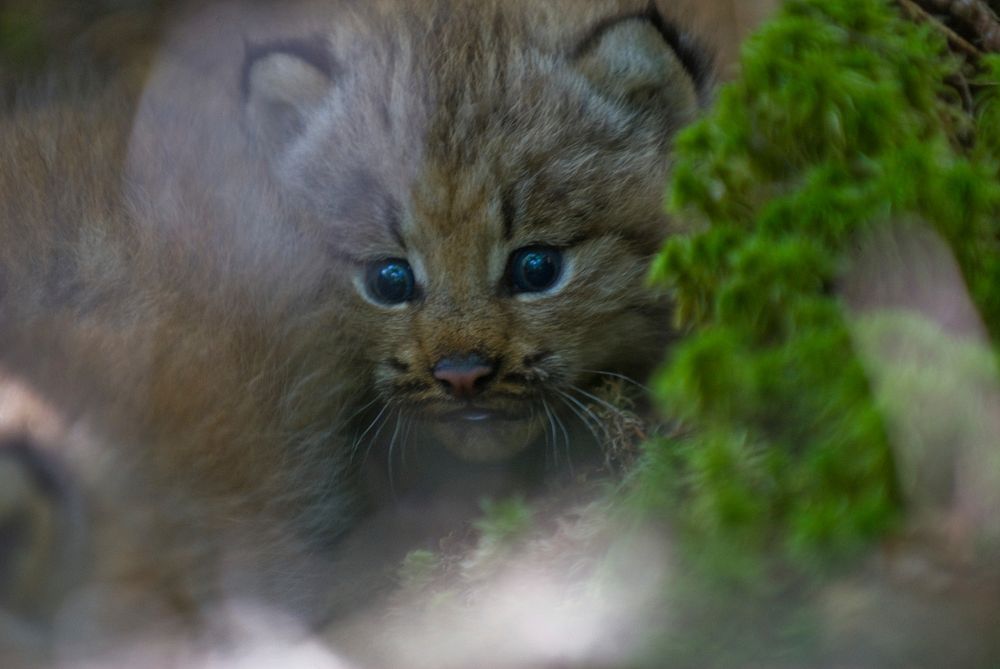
(488, 179)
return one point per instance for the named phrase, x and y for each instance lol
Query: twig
(976, 15)
(918, 13)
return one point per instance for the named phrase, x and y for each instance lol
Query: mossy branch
(849, 117)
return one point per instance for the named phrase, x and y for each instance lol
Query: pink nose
(464, 376)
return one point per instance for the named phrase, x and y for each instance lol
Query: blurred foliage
(846, 118)
(23, 39)
(419, 568)
(504, 521)
(44, 36)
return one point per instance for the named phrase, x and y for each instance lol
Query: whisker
(392, 446)
(374, 439)
(548, 414)
(566, 441)
(623, 377)
(587, 411)
(405, 440)
(611, 407)
(357, 442)
(587, 417)
(359, 411)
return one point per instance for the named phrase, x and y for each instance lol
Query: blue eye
(391, 281)
(535, 269)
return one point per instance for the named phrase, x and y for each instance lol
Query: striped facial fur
(487, 180)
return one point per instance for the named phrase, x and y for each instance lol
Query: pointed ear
(282, 83)
(642, 60)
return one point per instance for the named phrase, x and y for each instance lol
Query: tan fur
(446, 140)
(189, 301)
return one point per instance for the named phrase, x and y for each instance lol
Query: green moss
(845, 119)
(504, 521)
(419, 569)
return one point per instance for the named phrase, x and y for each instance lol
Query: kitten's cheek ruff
(486, 441)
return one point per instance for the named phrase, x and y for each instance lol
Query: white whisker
(371, 425)
(359, 411)
(355, 447)
(392, 446)
(552, 425)
(587, 417)
(611, 407)
(566, 441)
(405, 440)
(374, 437)
(623, 377)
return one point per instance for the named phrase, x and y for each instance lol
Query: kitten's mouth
(481, 415)
(481, 434)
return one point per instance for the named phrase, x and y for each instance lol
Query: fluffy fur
(191, 299)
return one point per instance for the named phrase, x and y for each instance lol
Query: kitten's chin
(485, 440)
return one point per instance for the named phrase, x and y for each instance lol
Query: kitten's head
(487, 178)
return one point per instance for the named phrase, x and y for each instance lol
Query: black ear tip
(692, 55)
(313, 50)
(696, 59)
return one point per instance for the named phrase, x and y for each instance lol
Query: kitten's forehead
(462, 113)
(520, 131)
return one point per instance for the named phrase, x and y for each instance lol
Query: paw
(40, 530)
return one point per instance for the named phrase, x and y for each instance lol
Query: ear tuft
(281, 83)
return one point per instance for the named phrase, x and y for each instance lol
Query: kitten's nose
(464, 376)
